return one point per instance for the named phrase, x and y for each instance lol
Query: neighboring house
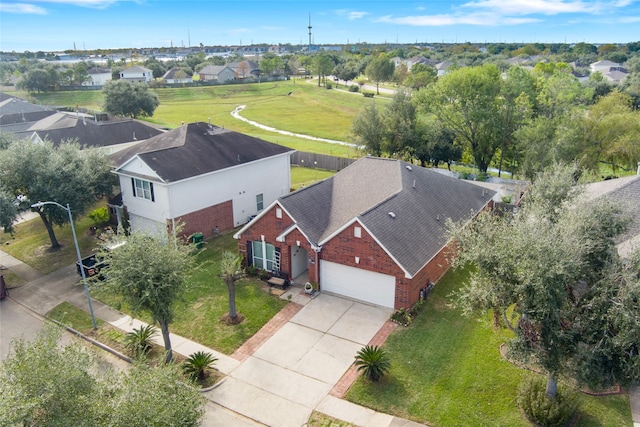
(604, 66)
(375, 231)
(176, 75)
(517, 60)
(137, 73)
(17, 115)
(98, 76)
(111, 136)
(219, 73)
(442, 67)
(203, 176)
(616, 76)
(626, 193)
(245, 69)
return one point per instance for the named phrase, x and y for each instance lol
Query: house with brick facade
(208, 178)
(374, 232)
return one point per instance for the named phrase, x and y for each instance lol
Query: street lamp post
(75, 242)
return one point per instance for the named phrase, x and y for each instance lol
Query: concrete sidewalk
(257, 390)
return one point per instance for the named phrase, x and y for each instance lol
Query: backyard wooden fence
(321, 161)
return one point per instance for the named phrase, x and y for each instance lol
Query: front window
(143, 189)
(259, 202)
(265, 256)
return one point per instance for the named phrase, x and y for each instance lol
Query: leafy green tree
(380, 70)
(34, 80)
(346, 71)
(8, 211)
(400, 130)
(437, 145)
(158, 396)
(42, 384)
(368, 129)
(80, 73)
(322, 65)
(373, 362)
(541, 270)
(231, 272)
(420, 76)
(464, 101)
(130, 99)
(64, 174)
(155, 281)
(609, 133)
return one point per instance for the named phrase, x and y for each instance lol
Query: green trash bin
(198, 240)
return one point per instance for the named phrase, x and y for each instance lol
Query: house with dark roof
(111, 136)
(625, 192)
(208, 178)
(374, 232)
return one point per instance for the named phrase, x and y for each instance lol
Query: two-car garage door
(356, 283)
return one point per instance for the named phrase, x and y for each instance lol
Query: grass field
(447, 371)
(295, 106)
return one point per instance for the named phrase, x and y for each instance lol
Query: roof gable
(404, 207)
(196, 149)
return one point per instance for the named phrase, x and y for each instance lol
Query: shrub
(506, 198)
(482, 177)
(368, 94)
(402, 316)
(197, 364)
(542, 409)
(252, 271)
(100, 217)
(354, 88)
(328, 85)
(373, 362)
(139, 341)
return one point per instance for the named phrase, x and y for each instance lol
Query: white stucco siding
(269, 177)
(157, 210)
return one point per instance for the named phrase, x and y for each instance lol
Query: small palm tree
(373, 362)
(197, 364)
(139, 341)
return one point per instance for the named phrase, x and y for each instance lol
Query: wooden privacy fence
(321, 161)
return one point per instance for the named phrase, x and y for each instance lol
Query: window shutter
(153, 198)
(133, 185)
(249, 252)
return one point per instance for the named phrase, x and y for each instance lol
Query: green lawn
(447, 371)
(301, 176)
(197, 315)
(30, 243)
(308, 110)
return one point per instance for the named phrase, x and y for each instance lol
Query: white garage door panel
(356, 283)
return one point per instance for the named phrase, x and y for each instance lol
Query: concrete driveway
(290, 374)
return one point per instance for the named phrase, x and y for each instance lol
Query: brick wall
(343, 249)
(205, 220)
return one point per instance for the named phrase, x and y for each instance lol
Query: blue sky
(55, 25)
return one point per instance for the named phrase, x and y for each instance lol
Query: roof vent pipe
(414, 183)
(392, 215)
(409, 168)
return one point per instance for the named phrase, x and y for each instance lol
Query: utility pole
(309, 27)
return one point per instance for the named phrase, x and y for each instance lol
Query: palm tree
(230, 271)
(373, 362)
(197, 364)
(139, 341)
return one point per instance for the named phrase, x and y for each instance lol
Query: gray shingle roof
(372, 188)
(196, 149)
(628, 197)
(89, 133)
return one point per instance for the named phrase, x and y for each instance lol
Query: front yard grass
(197, 315)
(30, 243)
(446, 370)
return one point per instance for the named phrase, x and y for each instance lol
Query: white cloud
(480, 19)
(356, 15)
(629, 19)
(95, 4)
(23, 8)
(526, 7)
